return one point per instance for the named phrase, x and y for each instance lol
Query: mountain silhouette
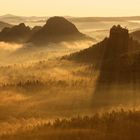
(18, 34)
(118, 60)
(119, 78)
(57, 29)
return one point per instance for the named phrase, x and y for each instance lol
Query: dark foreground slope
(123, 125)
(93, 55)
(118, 60)
(57, 29)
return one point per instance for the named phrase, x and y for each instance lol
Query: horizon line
(124, 16)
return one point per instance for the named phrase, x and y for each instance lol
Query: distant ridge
(9, 15)
(57, 29)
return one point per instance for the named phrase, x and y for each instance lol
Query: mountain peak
(60, 25)
(57, 29)
(118, 32)
(118, 40)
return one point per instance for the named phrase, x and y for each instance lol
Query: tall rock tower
(114, 68)
(117, 45)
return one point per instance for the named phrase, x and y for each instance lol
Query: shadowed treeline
(116, 125)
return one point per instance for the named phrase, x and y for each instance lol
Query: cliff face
(118, 60)
(118, 39)
(109, 49)
(114, 56)
(120, 68)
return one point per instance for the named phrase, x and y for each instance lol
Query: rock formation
(17, 34)
(118, 60)
(57, 29)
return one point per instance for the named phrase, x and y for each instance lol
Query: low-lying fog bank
(37, 87)
(11, 53)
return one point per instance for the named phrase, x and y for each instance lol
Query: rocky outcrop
(118, 60)
(119, 78)
(116, 48)
(18, 34)
(57, 29)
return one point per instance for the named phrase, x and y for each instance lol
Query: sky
(81, 8)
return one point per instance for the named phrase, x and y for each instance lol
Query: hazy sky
(70, 7)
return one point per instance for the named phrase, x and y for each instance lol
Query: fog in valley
(38, 84)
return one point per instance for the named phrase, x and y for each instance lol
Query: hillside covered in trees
(118, 60)
(115, 125)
